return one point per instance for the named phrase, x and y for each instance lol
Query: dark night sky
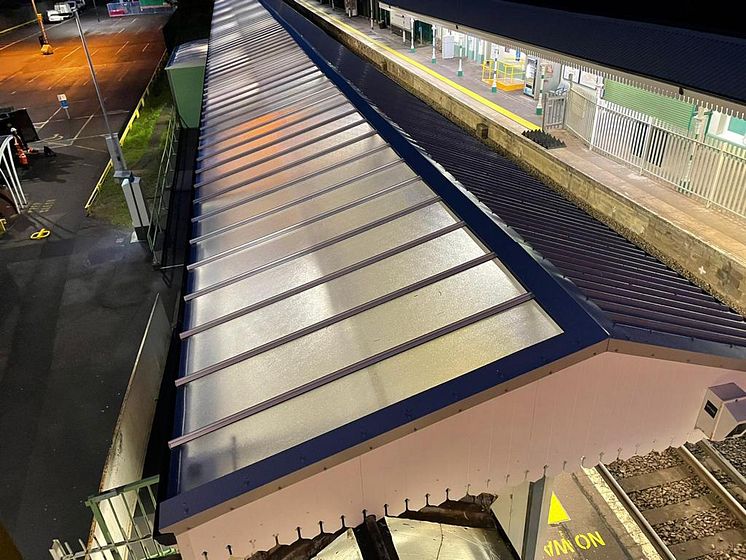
(714, 16)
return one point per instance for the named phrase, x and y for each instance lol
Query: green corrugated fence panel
(737, 125)
(666, 109)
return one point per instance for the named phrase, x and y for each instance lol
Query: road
(75, 304)
(125, 51)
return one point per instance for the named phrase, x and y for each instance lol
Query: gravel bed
(735, 451)
(738, 552)
(645, 464)
(700, 525)
(669, 493)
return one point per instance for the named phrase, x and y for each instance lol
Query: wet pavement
(75, 304)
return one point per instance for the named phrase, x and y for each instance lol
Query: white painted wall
(607, 406)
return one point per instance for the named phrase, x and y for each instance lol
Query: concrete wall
(610, 405)
(124, 463)
(713, 269)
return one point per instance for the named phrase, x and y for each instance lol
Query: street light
(130, 183)
(46, 48)
(112, 141)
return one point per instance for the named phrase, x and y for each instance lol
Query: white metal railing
(710, 169)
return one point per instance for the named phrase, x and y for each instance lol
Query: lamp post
(46, 48)
(130, 183)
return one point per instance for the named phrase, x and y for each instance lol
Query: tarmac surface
(75, 304)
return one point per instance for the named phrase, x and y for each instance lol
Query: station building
(367, 335)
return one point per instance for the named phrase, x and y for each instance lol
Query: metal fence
(159, 206)
(123, 526)
(554, 111)
(119, 9)
(709, 169)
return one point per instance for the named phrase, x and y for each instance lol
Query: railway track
(687, 500)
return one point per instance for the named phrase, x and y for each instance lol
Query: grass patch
(142, 149)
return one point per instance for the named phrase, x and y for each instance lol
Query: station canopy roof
(340, 284)
(691, 65)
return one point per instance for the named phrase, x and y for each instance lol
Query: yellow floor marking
(629, 524)
(486, 102)
(557, 513)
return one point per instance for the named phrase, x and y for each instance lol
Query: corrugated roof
(637, 292)
(326, 265)
(193, 53)
(690, 59)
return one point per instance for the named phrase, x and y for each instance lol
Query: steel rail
(722, 492)
(636, 514)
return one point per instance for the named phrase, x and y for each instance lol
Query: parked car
(64, 10)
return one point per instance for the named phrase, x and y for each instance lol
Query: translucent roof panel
(330, 277)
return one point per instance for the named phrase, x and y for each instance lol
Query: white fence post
(710, 169)
(646, 144)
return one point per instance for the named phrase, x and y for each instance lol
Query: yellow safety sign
(557, 513)
(41, 234)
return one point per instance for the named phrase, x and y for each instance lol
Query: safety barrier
(119, 9)
(159, 207)
(709, 169)
(125, 517)
(135, 115)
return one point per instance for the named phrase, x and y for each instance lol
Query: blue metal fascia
(564, 309)
(581, 329)
(677, 342)
(218, 491)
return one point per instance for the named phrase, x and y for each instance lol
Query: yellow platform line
(475, 96)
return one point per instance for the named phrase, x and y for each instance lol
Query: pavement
(75, 304)
(587, 526)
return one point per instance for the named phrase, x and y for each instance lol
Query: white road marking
(54, 83)
(49, 119)
(32, 79)
(145, 47)
(82, 127)
(123, 28)
(120, 48)
(68, 54)
(34, 34)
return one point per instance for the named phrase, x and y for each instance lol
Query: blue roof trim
(651, 50)
(213, 493)
(564, 309)
(581, 329)
(624, 288)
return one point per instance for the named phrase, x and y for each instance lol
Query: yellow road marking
(41, 234)
(484, 101)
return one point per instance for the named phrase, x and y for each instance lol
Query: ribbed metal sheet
(634, 290)
(674, 56)
(322, 265)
